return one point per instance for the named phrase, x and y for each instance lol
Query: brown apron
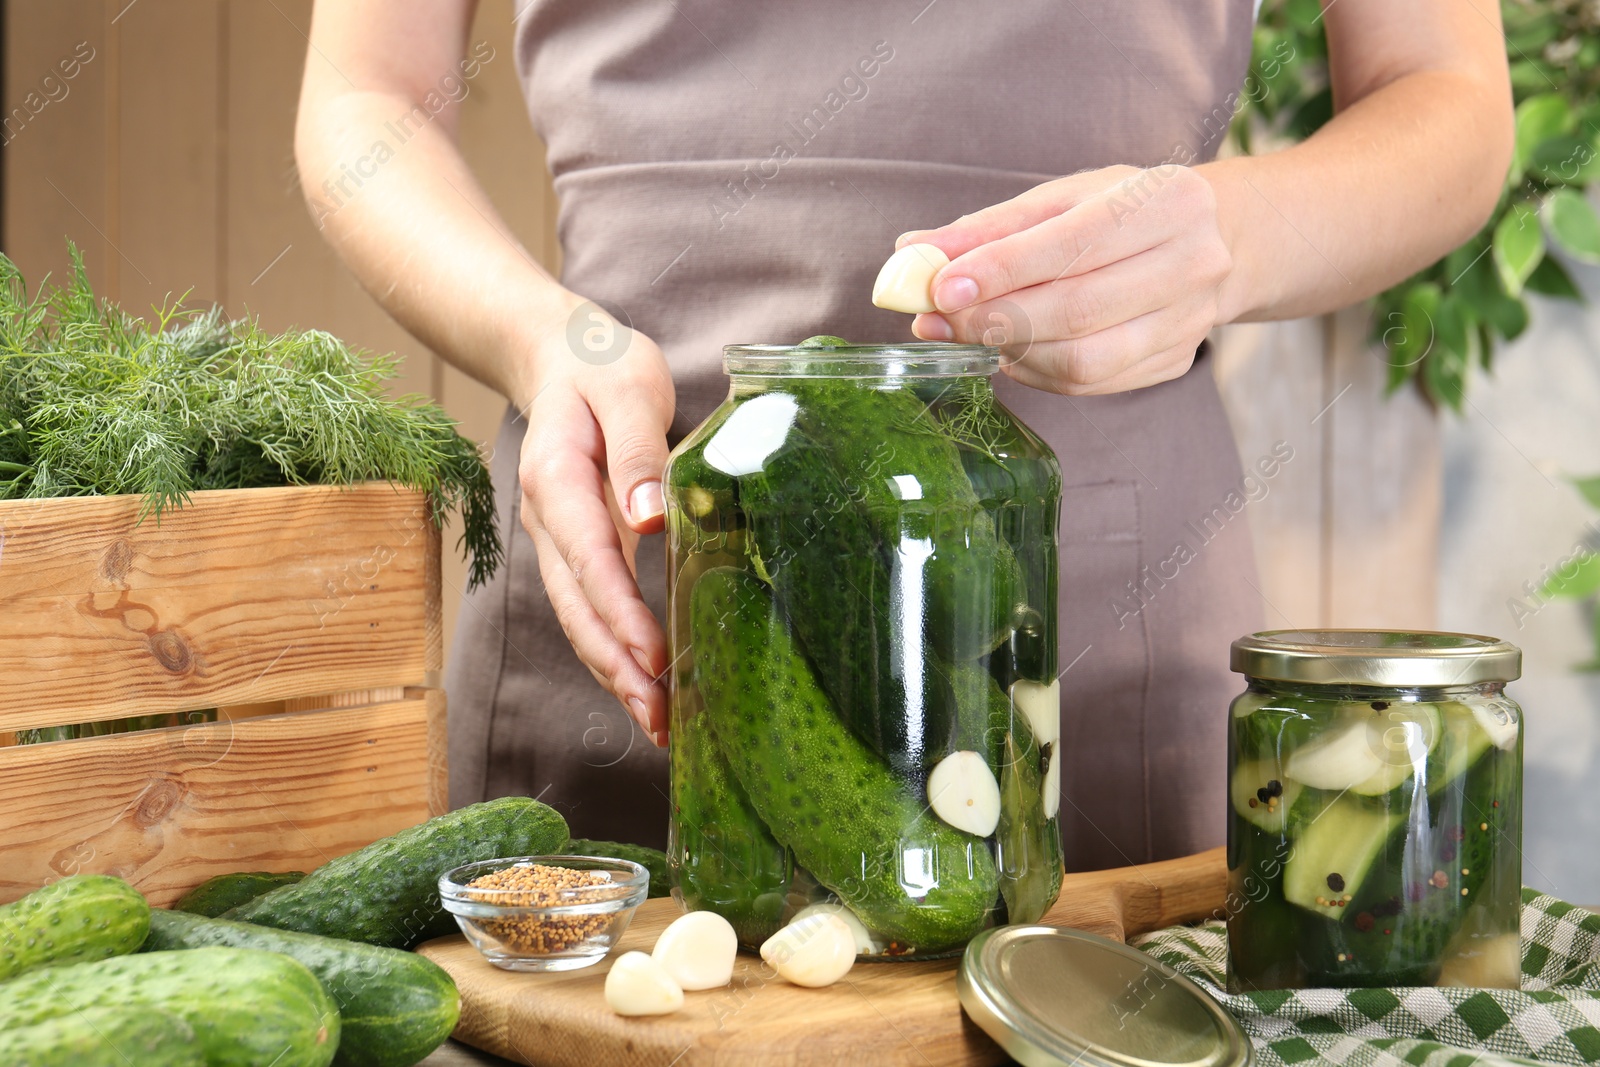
(737, 172)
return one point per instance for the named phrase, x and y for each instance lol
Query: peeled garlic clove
(1498, 723)
(1051, 787)
(638, 985)
(962, 791)
(698, 950)
(905, 282)
(815, 951)
(865, 945)
(1040, 704)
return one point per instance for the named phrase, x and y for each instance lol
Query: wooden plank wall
(169, 159)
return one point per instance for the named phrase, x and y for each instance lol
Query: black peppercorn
(1336, 882)
(1380, 705)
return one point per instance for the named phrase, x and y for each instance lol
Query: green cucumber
(1460, 854)
(388, 892)
(1028, 846)
(983, 714)
(651, 859)
(82, 917)
(103, 1037)
(1016, 476)
(1263, 927)
(216, 895)
(1333, 853)
(721, 855)
(395, 1007)
(1262, 793)
(246, 1007)
(905, 468)
(913, 880)
(835, 582)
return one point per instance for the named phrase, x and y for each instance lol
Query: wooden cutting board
(886, 1014)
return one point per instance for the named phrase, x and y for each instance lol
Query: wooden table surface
(884, 1013)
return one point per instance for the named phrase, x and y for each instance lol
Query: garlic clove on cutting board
(815, 951)
(698, 950)
(638, 985)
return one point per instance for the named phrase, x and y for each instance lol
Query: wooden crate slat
(242, 596)
(167, 809)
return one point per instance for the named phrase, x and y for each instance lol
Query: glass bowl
(540, 925)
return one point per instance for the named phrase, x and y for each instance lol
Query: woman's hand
(590, 472)
(1096, 283)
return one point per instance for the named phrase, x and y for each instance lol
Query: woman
(737, 172)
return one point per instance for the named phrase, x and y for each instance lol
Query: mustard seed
(537, 885)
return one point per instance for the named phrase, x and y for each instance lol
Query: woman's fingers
(1017, 214)
(582, 556)
(1073, 307)
(634, 413)
(1121, 221)
(1131, 355)
(592, 639)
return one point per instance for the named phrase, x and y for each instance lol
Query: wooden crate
(309, 617)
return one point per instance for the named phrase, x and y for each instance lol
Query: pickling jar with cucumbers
(1375, 811)
(862, 620)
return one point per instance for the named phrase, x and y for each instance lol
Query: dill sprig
(963, 411)
(96, 401)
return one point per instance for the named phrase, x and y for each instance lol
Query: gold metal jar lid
(1067, 998)
(1388, 658)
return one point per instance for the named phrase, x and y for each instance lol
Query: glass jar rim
(1395, 658)
(918, 359)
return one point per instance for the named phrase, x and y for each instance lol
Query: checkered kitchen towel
(1555, 1018)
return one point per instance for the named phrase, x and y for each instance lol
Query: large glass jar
(862, 600)
(1375, 811)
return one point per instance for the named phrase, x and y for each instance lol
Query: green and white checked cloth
(1554, 1018)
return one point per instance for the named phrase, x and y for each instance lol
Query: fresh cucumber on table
(247, 1007)
(848, 819)
(394, 1007)
(129, 1036)
(651, 859)
(216, 895)
(82, 917)
(388, 892)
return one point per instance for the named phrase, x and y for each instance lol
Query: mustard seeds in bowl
(538, 913)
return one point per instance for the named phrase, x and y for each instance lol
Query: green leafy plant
(1579, 577)
(1441, 320)
(96, 401)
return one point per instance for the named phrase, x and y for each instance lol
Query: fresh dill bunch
(95, 401)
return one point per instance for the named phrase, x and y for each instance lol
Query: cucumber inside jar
(1378, 828)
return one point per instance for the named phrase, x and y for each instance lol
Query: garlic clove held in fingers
(698, 950)
(905, 282)
(638, 985)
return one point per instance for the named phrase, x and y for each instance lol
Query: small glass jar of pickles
(1375, 811)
